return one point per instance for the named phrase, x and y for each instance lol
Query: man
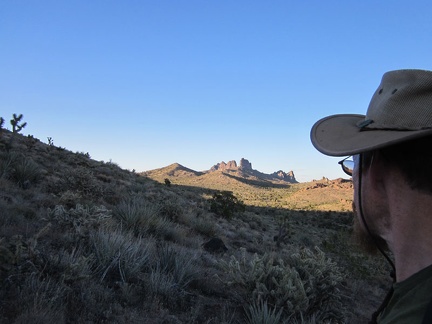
(391, 168)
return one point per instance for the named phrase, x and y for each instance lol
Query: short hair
(414, 160)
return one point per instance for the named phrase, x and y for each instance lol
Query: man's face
(373, 210)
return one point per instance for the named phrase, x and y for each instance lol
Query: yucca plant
(171, 274)
(261, 313)
(120, 254)
(161, 285)
(26, 172)
(135, 213)
(7, 162)
(177, 263)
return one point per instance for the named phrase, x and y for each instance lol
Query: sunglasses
(348, 164)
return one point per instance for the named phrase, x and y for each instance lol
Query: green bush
(225, 204)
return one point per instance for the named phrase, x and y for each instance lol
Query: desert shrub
(171, 209)
(204, 225)
(225, 204)
(81, 217)
(80, 180)
(306, 282)
(69, 198)
(120, 254)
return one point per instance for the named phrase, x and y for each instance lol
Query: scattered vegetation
(86, 241)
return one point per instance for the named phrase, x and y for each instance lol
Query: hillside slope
(85, 241)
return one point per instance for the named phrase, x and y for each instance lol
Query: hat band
(364, 123)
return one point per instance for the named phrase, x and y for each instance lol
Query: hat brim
(339, 135)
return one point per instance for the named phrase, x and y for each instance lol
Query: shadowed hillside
(86, 241)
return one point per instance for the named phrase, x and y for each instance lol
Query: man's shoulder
(410, 299)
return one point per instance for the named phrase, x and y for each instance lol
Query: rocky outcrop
(215, 245)
(245, 164)
(290, 177)
(231, 165)
(245, 168)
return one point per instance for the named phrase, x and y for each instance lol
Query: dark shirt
(410, 299)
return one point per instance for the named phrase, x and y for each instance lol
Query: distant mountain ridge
(242, 170)
(246, 167)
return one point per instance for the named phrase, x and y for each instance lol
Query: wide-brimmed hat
(400, 110)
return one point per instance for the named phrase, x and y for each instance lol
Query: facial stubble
(367, 241)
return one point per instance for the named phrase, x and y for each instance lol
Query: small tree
(225, 204)
(167, 182)
(16, 128)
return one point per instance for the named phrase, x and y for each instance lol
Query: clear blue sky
(149, 83)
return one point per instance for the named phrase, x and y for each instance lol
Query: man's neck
(410, 237)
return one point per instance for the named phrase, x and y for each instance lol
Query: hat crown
(403, 101)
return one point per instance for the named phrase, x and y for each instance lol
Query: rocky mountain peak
(245, 164)
(222, 166)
